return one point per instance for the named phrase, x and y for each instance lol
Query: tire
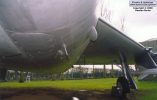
(123, 86)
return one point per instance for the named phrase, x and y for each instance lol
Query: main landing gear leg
(126, 82)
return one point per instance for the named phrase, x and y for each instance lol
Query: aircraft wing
(110, 42)
(148, 73)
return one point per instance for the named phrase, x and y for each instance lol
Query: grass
(148, 90)
(89, 84)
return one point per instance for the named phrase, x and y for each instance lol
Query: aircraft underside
(51, 35)
(37, 36)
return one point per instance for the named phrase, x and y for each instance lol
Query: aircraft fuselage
(44, 34)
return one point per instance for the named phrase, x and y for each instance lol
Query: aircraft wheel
(122, 86)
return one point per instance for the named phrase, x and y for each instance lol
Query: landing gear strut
(126, 82)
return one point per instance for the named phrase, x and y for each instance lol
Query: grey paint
(146, 73)
(48, 34)
(151, 43)
(110, 43)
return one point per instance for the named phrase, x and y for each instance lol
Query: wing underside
(110, 42)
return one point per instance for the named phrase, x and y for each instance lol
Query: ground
(87, 89)
(53, 94)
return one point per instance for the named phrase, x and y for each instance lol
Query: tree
(122, 24)
(105, 12)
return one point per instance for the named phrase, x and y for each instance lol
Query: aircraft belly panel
(49, 33)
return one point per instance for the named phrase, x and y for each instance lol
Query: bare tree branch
(123, 24)
(105, 11)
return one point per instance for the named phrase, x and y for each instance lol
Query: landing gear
(122, 86)
(3, 73)
(126, 82)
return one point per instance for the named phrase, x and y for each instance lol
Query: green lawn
(148, 90)
(89, 84)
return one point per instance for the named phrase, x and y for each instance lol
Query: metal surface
(110, 41)
(146, 73)
(105, 50)
(126, 71)
(48, 34)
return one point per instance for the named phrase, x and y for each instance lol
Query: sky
(140, 26)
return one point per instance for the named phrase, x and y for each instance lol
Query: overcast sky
(140, 26)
